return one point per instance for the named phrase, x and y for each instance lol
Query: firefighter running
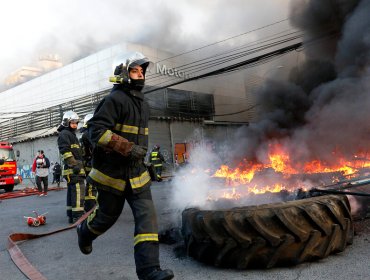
(73, 170)
(119, 134)
(86, 147)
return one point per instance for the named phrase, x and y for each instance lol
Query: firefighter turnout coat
(123, 112)
(86, 149)
(69, 146)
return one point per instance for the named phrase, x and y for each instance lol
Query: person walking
(57, 171)
(119, 134)
(73, 170)
(156, 159)
(40, 167)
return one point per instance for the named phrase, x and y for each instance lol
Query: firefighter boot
(84, 240)
(158, 274)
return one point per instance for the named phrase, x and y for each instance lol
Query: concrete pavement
(57, 256)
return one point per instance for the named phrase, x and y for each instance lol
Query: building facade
(187, 113)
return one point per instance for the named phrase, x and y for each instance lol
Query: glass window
(7, 155)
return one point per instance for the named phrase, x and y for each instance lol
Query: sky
(76, 28)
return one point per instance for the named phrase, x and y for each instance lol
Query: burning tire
(269, 235)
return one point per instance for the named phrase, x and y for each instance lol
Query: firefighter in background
(156, 159)
(73, 170)
(86, 147)
(119, 134)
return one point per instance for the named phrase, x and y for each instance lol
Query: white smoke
(193, 182)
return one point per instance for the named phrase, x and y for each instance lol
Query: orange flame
(280, 162)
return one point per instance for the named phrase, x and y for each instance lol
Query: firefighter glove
(77, 168)
(138, 152)
(120, 145)
(71, 161)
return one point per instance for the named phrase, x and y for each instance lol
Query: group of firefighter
(110, 158)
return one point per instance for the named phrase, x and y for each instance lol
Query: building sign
(172, 72)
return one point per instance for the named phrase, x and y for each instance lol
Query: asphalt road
(57, 256)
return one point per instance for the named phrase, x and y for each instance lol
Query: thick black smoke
(322, 112)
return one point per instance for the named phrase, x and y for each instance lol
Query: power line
(149, 78)
(227, 39)
(233, 67)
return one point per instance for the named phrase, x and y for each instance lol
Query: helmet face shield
(86, 119)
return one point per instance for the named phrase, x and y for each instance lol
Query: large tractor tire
(264, 236)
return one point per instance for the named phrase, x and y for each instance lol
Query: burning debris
(269, 202)
(311, 141)
(313, 129)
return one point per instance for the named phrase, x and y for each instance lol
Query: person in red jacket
(40, 168)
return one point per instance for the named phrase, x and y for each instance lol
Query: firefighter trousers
(158, 171)
(108, 209)
(75, 196)
(90, 197)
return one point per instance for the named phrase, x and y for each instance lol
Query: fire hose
(20, 260)
(25, 192)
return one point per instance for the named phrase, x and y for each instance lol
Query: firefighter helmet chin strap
(132, 84)
(121, 75)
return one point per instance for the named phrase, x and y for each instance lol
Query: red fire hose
(20, 260)
(25, 192)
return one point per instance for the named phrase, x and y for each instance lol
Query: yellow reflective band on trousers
(145, 237)
(156, 165)
(131, 129)
(75, 146)
(105, 138)
(103, 179)
(78, 199)
(67, 155)
(89, 194)
(140, 181)
(92, 216)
